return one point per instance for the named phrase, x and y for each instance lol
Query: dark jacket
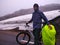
(37, 17)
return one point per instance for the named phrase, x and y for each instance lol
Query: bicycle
(25, 36)
(54, 21)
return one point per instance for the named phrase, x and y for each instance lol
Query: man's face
(35, 8)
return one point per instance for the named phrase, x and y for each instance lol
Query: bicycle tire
(20, 34)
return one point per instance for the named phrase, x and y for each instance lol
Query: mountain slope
(45, 8)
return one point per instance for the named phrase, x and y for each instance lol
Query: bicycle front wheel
(23, 38)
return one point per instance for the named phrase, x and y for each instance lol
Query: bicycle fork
(24, 36)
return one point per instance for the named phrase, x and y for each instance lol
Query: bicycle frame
(30, 32)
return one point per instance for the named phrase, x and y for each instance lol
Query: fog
(10, 6)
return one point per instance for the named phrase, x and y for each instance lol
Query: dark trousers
(37, 36)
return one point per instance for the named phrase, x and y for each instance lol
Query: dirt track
(9, 38)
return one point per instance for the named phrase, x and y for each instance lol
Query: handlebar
(29, 25)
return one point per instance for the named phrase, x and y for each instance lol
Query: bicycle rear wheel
(23, 38)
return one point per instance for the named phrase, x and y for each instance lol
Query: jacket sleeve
(30, 20)
(44, 17)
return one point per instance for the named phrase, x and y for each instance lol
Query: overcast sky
(10, 6)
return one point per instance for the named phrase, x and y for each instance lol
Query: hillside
(45, 8)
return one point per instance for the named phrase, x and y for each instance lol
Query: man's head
(36, 7)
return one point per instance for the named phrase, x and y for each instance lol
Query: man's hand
(50, 26)
(27, 24)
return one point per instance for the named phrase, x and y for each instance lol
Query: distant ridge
(45, 8)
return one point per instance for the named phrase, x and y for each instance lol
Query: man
(37, 17)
